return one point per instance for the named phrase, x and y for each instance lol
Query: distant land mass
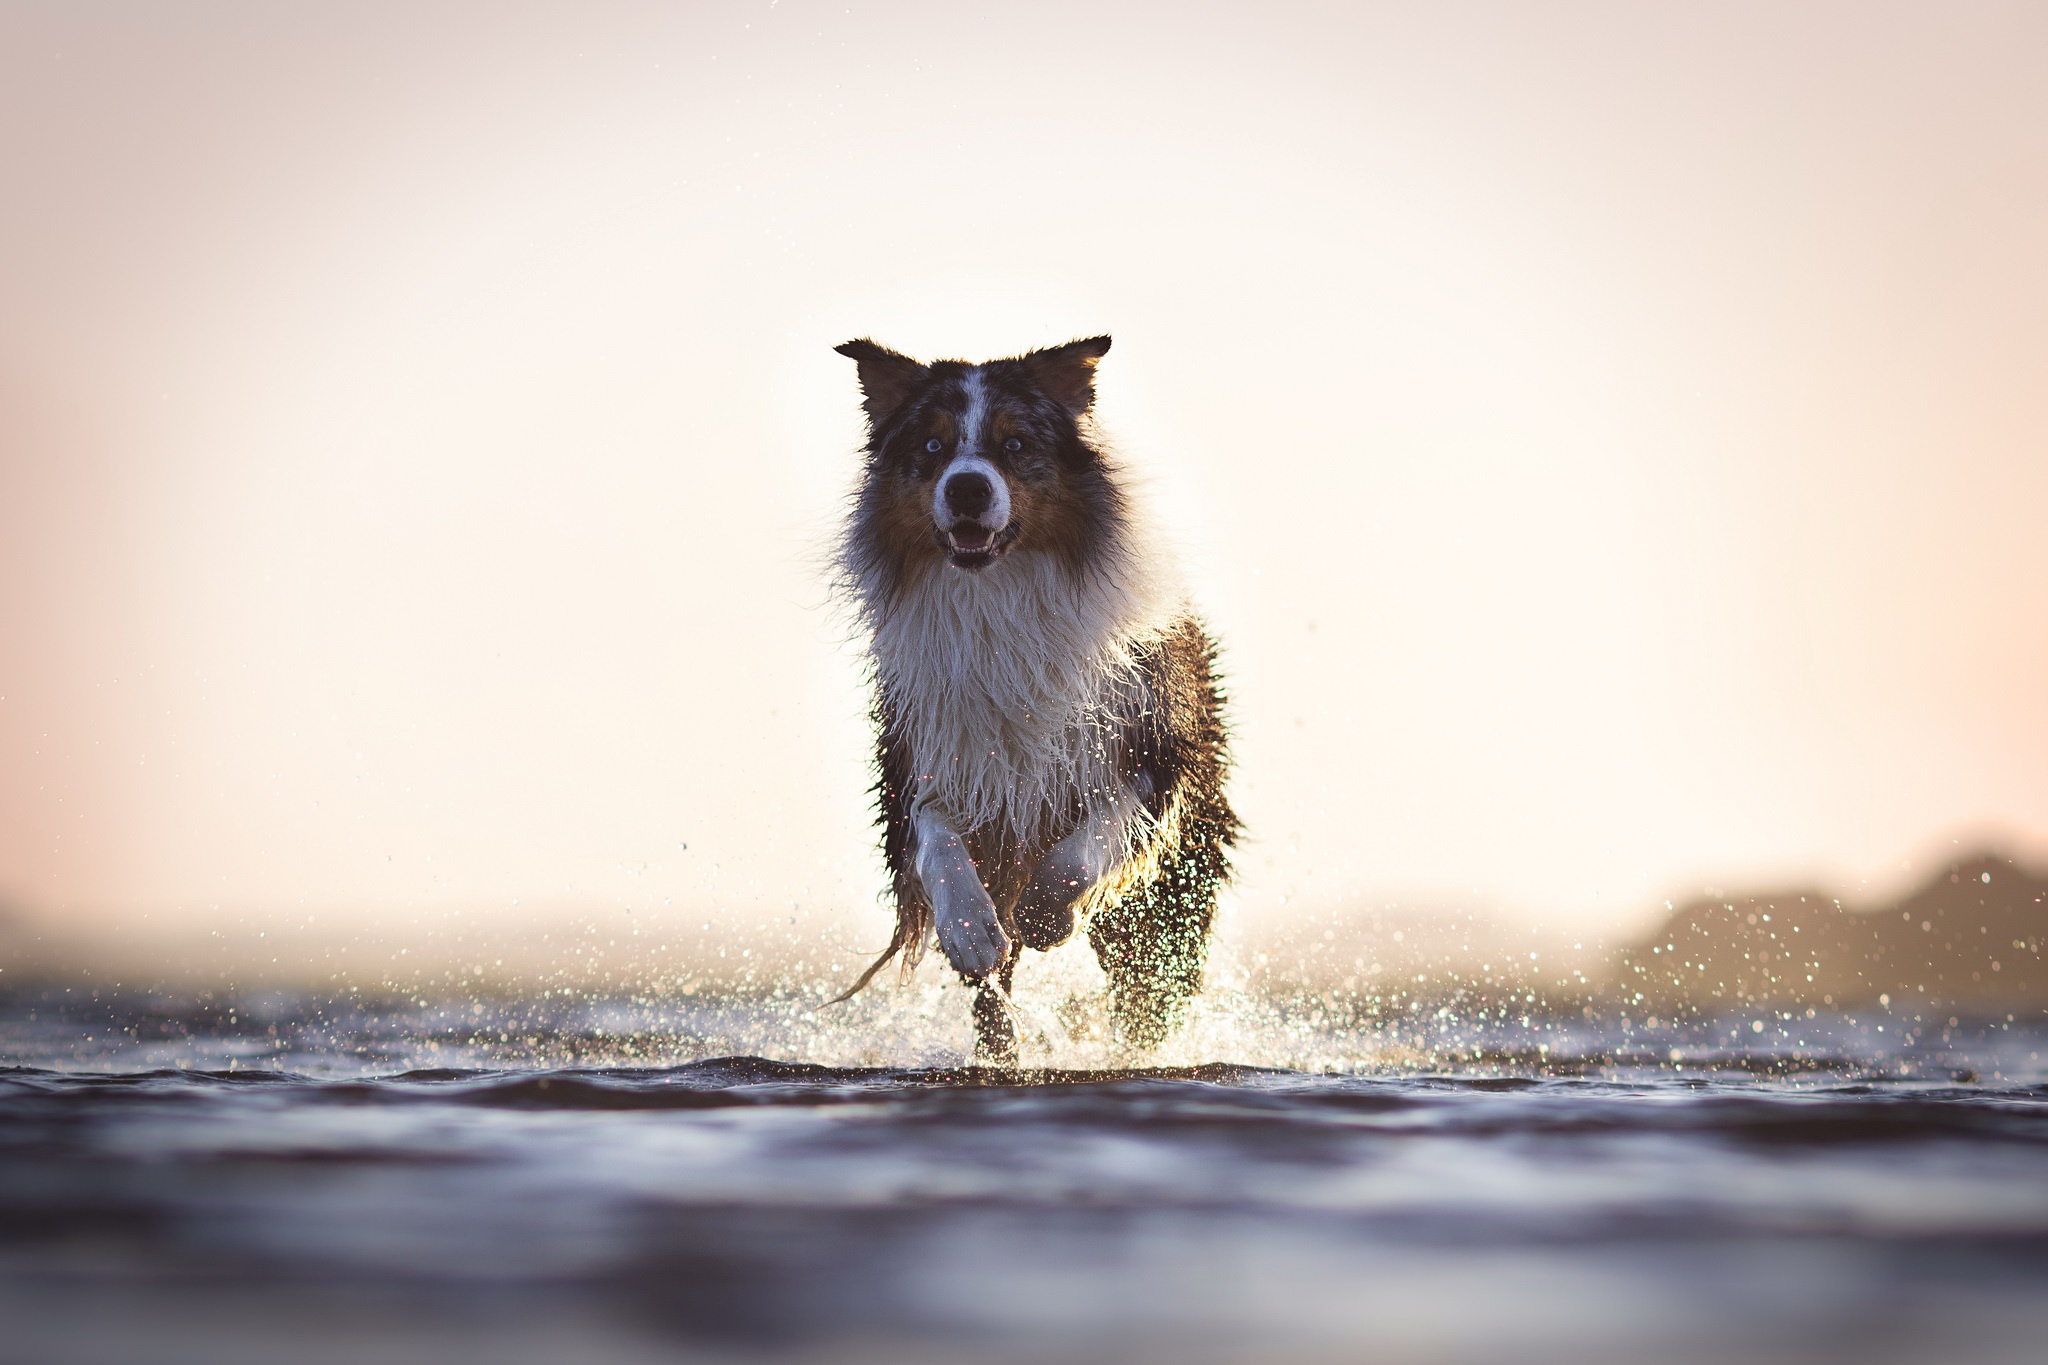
(1970, 941)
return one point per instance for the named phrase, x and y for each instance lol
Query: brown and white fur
(1051, 740)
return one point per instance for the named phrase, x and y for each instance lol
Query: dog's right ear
(886, 378)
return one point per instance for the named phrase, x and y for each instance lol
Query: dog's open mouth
(970, 545)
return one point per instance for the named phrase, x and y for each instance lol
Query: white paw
(969, 933)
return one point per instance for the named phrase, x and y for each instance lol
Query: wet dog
(1051, 740)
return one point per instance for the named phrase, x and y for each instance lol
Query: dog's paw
(1046, 911)
(969, 933)
(1045, 916)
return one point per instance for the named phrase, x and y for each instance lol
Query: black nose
(969, 494)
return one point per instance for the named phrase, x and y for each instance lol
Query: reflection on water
(279, 1177)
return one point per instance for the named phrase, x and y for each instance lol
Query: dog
(1051, 739)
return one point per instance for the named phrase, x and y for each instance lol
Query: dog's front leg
(1045, 912)
(969, 932)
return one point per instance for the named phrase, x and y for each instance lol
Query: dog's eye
(1013, 445)
(934, 445)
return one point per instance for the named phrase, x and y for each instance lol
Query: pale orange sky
(1610, 438)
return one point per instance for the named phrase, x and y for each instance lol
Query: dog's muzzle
(971, 507)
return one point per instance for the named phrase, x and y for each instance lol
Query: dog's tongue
(970, 537)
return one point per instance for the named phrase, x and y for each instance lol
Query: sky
(1610, 440)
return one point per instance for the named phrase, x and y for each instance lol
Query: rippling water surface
(281, 1178)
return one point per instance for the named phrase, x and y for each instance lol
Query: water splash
(1061, 1001)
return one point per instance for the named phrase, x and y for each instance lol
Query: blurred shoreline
(1969, 941)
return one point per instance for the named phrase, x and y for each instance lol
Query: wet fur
(1064, 687)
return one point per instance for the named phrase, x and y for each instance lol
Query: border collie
(1052, 746)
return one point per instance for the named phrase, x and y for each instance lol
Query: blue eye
(934, 445)
(1013, 445)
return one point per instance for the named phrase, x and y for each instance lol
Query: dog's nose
(969, 494)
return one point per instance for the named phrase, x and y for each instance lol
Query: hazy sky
(1612, 440)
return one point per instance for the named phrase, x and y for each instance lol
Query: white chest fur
(1008, 685)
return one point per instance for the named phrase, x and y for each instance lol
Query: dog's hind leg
(995, 1020)
(1154, 942)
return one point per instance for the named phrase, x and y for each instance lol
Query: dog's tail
(913, 930)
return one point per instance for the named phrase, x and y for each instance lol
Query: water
(600, 1179)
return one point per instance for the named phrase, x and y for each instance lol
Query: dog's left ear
(886, 378)
(1067, 373)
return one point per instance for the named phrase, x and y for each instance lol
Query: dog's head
(973, 461)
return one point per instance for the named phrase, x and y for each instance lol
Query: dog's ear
(886, 378)
(1067, 373)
